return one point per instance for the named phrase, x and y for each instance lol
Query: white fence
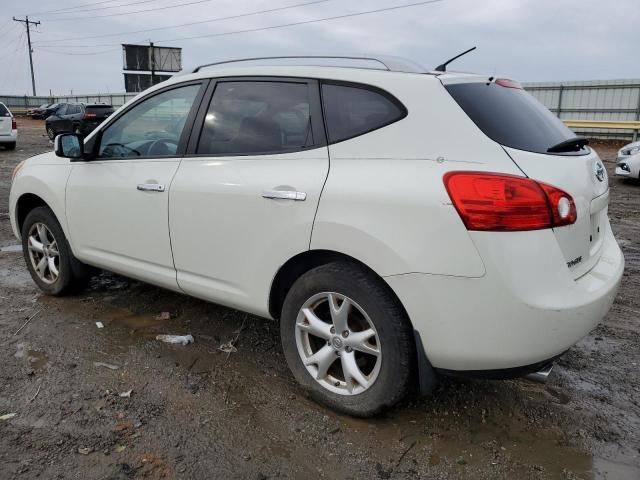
(601, 100)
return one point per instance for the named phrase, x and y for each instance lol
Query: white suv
(400, 224)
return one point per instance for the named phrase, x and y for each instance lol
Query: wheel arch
(27, 202)
(296, 266)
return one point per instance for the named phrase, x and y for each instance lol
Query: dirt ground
(196, 412)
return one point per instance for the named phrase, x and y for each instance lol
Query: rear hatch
(545, 150)
(5, 121)
(96, 114)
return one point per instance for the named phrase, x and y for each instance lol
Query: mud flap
(427, 376)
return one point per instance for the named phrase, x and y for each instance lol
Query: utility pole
(153, 64)
(27, 22)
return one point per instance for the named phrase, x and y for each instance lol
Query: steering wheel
(161, 147)
(111, 149)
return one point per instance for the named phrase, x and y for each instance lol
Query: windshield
(511, 116)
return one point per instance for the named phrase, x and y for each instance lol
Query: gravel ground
(196, 412)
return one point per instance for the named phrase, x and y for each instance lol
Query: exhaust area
(541, 375)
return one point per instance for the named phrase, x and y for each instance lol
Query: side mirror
(69, 145)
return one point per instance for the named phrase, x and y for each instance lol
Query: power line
(274, 27)
(76, 6)
(57, 52)
(166, 7)
(27, 23)
(219, 19)
(103, 8)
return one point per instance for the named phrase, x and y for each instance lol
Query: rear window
(100, 109)
(352, 110)
(4, 112)
(511, 116)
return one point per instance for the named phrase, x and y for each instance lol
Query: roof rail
(389, 63)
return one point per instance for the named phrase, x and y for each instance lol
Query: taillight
(14, 124)
(507, 203)
(505, 82)
(90, 115)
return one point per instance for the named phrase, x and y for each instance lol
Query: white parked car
(8, 128)
(400, 224)
(628, 161)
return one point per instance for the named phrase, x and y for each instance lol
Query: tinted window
(62, 109)
(152, 128)
(4, 112)
(257, 117)
(510, 116)
(352, 111)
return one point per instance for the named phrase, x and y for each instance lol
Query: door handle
(150, 187)
(285, 194)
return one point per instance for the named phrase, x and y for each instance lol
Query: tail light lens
(14, 124)
(90, 115)
(507, 203)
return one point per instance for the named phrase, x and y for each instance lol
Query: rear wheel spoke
(352, 374)
(323, 359)
(313, 325)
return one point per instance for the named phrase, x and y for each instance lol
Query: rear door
(5, 120)
(244, 199)
(527, 131)
(94, 115)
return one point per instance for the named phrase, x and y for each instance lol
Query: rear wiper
(574, 144)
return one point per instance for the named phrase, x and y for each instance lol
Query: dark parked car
(43, 111)
(76, 117)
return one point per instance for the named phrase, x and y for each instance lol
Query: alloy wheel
(338, 343)
(43, 253)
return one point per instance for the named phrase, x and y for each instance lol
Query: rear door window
(354, 110)
(257, 117)
(511, 116)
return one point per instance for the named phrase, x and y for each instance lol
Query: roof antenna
(443, 67)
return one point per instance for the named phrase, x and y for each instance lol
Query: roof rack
(389, 63)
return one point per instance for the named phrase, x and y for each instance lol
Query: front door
(244, 198)
(118, 204)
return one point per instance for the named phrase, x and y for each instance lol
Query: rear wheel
(347, 339)
(50, 132)
(48, 255)
(10, 146)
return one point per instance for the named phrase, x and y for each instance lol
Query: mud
(197, 412)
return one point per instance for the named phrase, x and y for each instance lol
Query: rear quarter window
(4, 111)
(511, 116)
(351, 111)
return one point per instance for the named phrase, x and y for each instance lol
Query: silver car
(628, 161)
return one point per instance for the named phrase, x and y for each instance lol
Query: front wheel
(347, 339)
(48, 255)
(51, 133)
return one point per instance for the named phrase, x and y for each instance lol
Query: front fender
(45, 178)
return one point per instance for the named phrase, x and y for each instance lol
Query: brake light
(14, 124)
(505, 82)
(90, 115)
(507, 203)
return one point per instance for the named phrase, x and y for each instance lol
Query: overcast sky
(529, 40)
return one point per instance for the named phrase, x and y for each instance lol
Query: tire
(10, 146)
(391, 373)
(51, 133)
(72, 275)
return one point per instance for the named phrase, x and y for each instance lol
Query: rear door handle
(285, 194)
(151, 187)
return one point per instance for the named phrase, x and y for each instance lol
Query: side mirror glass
(69, 145)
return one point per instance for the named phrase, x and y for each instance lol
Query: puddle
(130, 320)
(11, 248)
(37, 359)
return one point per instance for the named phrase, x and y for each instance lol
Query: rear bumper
(526, 309)
(9, 138)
